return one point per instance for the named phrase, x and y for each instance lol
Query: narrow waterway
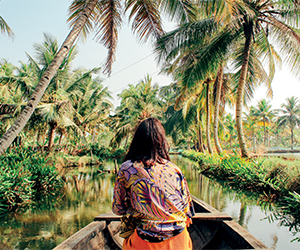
(88, 194)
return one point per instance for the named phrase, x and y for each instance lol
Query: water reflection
(50, 222)
(86, 195)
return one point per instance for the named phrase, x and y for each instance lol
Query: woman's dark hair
(149, 143)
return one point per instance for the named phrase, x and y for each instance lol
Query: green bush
(25, 176)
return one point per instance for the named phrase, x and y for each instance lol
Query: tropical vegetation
(53, 117)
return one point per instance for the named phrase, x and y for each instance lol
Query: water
(89, 194)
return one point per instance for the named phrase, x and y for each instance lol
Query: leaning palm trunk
(17, 127)
(210, 150)
(248, 29)
(217, 108)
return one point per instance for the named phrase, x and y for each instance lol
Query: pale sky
(29, 19)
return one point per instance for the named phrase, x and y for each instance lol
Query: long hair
(149, 144)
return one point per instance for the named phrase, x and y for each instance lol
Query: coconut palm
(230, 127)
(264, 114)
(290, 116)
(137, 103)
(104, 16)
(237, 24)
(90, 101)
(250, 121)
(49, 73)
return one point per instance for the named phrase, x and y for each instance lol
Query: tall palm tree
(250, 121)
(90, 100)
(265, 114)
(137, 103)
(230, 126)
(234, 26)
(49, 73)
(104, 16)
(290, 116)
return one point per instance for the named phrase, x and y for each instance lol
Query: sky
(30, 19)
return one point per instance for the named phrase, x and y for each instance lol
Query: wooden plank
(114, 231)
(238, 229)
(212, 216)
(110, 216)
(80, 239)
(200, 216)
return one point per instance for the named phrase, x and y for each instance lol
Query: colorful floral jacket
(158, 196)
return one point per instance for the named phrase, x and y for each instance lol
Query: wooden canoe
(211, 229)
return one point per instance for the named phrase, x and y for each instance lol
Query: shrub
(24, 176)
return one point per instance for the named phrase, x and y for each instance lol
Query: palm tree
(137, 103)
(4, 28)
(230, 126)
(49, 73)
(290, 116)
(249, 124)
(265, 114)
(90, 101)
(234, 25)
(105, 17)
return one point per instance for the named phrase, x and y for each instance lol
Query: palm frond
(107, 25)
(5, 29)
(146, 18)
(181, 10)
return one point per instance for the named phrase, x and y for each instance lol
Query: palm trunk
(248, 30)
(199, 134)
(53, 126)
(292, 137)
(217, 108)
(210, 150)
(19, 124)
(265, 136)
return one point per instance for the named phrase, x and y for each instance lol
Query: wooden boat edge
(84, 236)
(93, 230)
(232, 225)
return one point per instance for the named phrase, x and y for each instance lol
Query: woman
(153, 192)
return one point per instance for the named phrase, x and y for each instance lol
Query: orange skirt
(181, 241)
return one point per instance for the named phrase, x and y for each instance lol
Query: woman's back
(157, 196)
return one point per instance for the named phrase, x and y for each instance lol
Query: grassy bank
(272, 179)
(28, 176)
(270, 176)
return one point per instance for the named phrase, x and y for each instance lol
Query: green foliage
(25, 176)
(102, 153)
(257, 174)
(273, 179)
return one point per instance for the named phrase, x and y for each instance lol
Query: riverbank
(272, 179)
(28, 176)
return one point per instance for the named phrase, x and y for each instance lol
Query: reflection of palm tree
(290, 115)
(242, 214)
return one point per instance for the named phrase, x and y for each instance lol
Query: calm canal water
(87, 195)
